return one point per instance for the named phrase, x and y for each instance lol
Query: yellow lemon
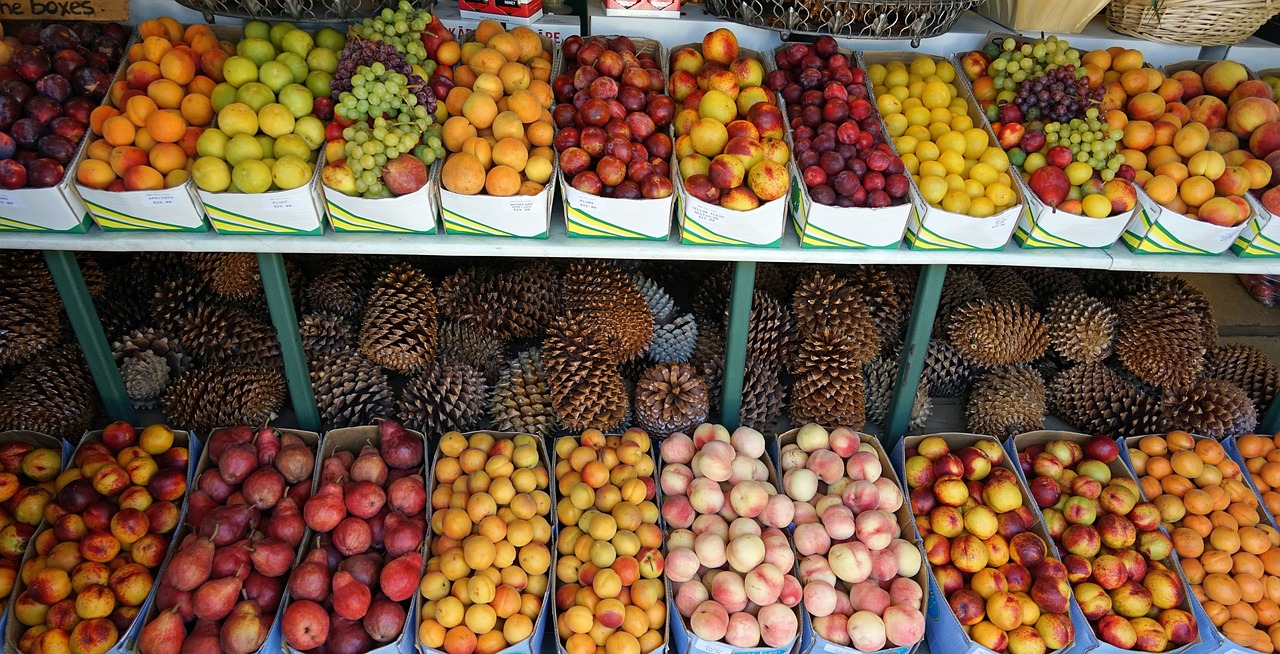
(927, 151)
(933, 189)
(984, 174)
(982, 208)
(1096, 206)
(1000, 194)
(952, 160)
(932, 169)
(957, 202)
(936, 94)
(1078, 172)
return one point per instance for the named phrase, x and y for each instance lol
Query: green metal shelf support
(916, 346)
(735, 347)
(275, 284)
(1271, 421)
(69, 280)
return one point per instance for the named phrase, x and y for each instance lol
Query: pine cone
(1081, 327)
(674, 342)
(763, 397)
(879, 376)
(828, 388)
(1094, 399)
(52, 395)
(443, 397)
(670, 397)
(350, 391)
(155, 342)
(233, 275)
(825, 302)
(946, 373)
(1006, 283)
(885, 297)
(217, 396)
(399, 329)
(713, 374)
(521, 402)
(177, 297)
(95, 280)
(771, 336)
(609, 303)
(460, 343)
(710, 347)
(659, 302)
(1210, 407)
(29, 308)
(341, 289)
(1006, 401)
(960, 288)
(513, 304)
(1160, 339)
(219, 335)
(1247, 367)
(145, 377)
(993, 333)
(1049, 283)
(1193, 299)
(324, 334)
(587, 391)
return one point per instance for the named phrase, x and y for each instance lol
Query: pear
(163, 635)
(215, 599)
(191, 565)
(244, 630)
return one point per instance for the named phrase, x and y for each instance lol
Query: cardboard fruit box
(272, 643)
(353, 439)
(596, 216)
(1087, 639)
(811, 641)
(125, 637)
(825, 226)
(1261, 234)
(942, 629)
(292, 211)
(534, 643)
(414, 213)
(53, 209)
(1157, 230)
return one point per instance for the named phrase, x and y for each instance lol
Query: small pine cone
(674, 342)
(145, 377)
(324, 334)
(1247, 367)
(350, 391)
(443, 397)
(993, 333)
(1160, 339)
(824, 301)
(660, 303)
(1081, 328)
(53, 395)
(1006, 283)
(763, 397)
(828, 388)
(587, 391)
(399, 329)
(879, 376)
(521, 402)
(459, 342)
(219, 335)
(341, 289)
(961, 287)
(771, 336)
(946, 373)
(670, 397)
(1093, 398)
(156, 342)
(1210, 407)
(609, 303)
(217, 396)
(1006, 401)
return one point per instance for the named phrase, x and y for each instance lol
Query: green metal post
(88, 328)
(275, 283)
(1271, 421)
(735, 347)
(914, 350)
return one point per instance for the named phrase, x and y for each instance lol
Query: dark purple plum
(44, 172)
(12, 174)
(54, 86)
(59, 148)
(26, 132)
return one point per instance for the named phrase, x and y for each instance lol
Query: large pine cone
(233, 275)
(961, 287)
(946, 373)
(443, 397)
(341, 289)
(771, 336)
(324, 334)
(1006, 283)
(459, 342)
(1094, 399)
(828, 389)
(993, 333)
(825, 301)
(221, 335)
(350, 391)
(1247, 367)
(671, 398)
(521, 401)
(511, 304)
(29, 306)
(1161, 340)
(1006, 401)
(218, 396)
(52, 395)
(607, 302)
(763, 397)
(1081, 328)
(399, 330)
(1210, 407)
(880, 375)
(587, 391)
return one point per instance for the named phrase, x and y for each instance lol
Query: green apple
(297, 42)
(212, 143)
(275, 75)
(259, 51)
(323, 59)
(330, 38)
(238, 70)
(297, 98)
(320, 84)
(255, 94)
(297, 65)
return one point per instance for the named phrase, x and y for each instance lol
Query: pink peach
(728, 590)
(682, 564)
(710, 550)
(792, 457)
(820, 598)
(763, 584)
(832, 628)
(675, 479)
(689, 595)
(743, 527)
(778, 511)
(827, 465)
(843, 441)
(705, 433)
(869, 596)
(749, 498)
(743, 630)
(812, 539)
(705, 495)
(791, 592)
(906, 592)
(803, 513)
(711, 523)
(817, 568)
(861, 496)
(866, 631)
(748, 441)
(890, 495)
(677, 448)
(778, 625)
(903, 625)
(710, 621)
(864, 466)
(678, 512)
(876, 529)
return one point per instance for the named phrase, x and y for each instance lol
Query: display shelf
(560, 245)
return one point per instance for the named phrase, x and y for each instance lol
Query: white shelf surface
(559, 245)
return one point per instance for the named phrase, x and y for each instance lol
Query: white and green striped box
(520, 216)
(413, 213)
(1042, 226)
(52, 209)
(593, 216)
(295, 211)
(1261, 234)
(175, 209)
(932, 228)
(822, 226)
(702, 223)
(1156, 230)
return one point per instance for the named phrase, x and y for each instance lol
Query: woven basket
(1042, 15)
(1191, 22)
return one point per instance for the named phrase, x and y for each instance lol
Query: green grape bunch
(1011, 63)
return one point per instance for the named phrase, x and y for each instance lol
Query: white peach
(869, 596)
(705, 496)
(710, 550)
(801, 484)
(680, 538)
(816, 568)
(843, 605)
(832, 628)
(682, 564)
(709, 621)
(811, 539)
(748, 441)
(906, 592)
(837, 487)
(861, 496)
(820, 598)
(884, 564)
(876, 529)
(778, 511)
(844, 441)
(850, 561)
(866, 631)
(827, 465)
(743, 631)
(728, 590)
(864, 466)
(716, 462)
(742, 469)
(689, 595)
(812, 437)
(706, 432)
(763, 584)
(677, 448)
(792, 457)
(909, 559)
(890, 495)
(903, 625)
(778, 625)
(803, 513)
(791, 593)
(675, 479)
(838, 521)
(777, 551)
(749, 498)
(743, 527)
(761, 472)
(745, 553)
(678, 512)
(728, 513)
(711, 523)
(823, 502)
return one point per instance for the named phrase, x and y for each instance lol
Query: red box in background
(643, 8)
(513, 11)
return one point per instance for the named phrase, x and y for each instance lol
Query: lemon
(957, 202)
(1000, 194)
(974, 188)
(952, 160)
(1096, 206)
(924, 67)
(998, 159)
(933, 189)
(1078, 172)
(927, 151)
(917, 116)
(931, 169)
(906, 144)
(984, 174)
(982, 208)
(936, 95)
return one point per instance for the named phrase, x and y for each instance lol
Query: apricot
(95, 174)
(1164, 132)
(166, 126)
(510, 152)
(1174, 170)
(197, 109)
(1176, 484)
(463, 173)
(167, 157)
(1134, 82)
(143, 178)
(179, 66)
(125, 157)
(1191, 139)
(1144, 105)
(99, 150)
(1126, 60)
(1187, 543)
(1222, 589)
(480, 109)
(1251, 589)
(486, 60)
(1138, 135)
(211, 62)
(154, 48)
(1162, 189)
(1197, 190)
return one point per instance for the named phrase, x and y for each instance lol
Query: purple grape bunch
(363, 52)
(1058, 95)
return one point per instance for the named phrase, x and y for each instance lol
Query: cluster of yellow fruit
(500, 129)
(490, 558)
(954, 163)
(610, 591)
(26, 487)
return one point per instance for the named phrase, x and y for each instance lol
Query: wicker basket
(1191, 22)
(1043, 15)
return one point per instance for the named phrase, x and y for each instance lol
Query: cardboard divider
(352, 439)
(934, 228)
(943, 631)
(534, 643)
(1086, 639)
(811, 641)
(126, 637)
(820, 225)
(1212, 640)
(595, 216)
(683, 640)
(555, 583)
(273, 642)
(703, 223)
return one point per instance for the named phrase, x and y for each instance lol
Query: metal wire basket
(309, 11)
(868, 19)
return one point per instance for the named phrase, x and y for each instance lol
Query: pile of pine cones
(1120, 354)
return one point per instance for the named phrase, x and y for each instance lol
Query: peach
(792, 457)
(908, 557)
(906, 592)
(677, 448)
(791, 593)
(869, 596)
(861, 496)
(866, 631)
(827, 465)
(864, 466)
(675, 479)
(743, 527)
(678, 512)
(745, 553)
(748, 442)
(716, 461)
(764, 584)
(682, 564)
(884, 565)
(710, 621)
(820, 598)
(876, 529)
(742, 469)
(1146, 106)
(889, 495)
(706, 432)
(711, 523)
(749, 498)
(1265, 140)
(817, 568)
(812, 437)
(743, 630)
(1191, 85)
(689, 596)
(1251, 113)
(728, 589)
(778, 511)
(1233, 181)
(1223, 77)
(850, 561)
(777, 550)
(1208, 110)
(832, 628)
(680, 538)
(803, 513)
(1223, 141)
(710, 550)
(778, 625)
(903, 625)
(801, 484)
(705, 496)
